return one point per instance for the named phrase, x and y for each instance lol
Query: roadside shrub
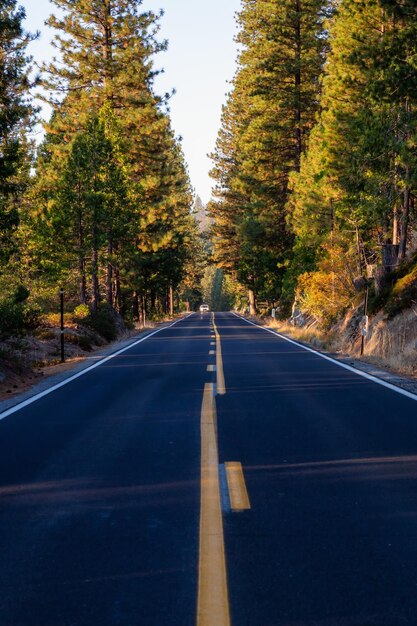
(129, 322)
(12, 359)
(16, 319)
(82, 341)
(81, 311)
(403, 294)
(103, 322)
(323, 296)
(16, 316)
(45, 334)
(54, 319)
(11, 319)
(31, 318)
(327, 292)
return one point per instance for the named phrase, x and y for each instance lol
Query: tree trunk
(144, 302)
(297, 85)
(109, 276)
(81, 261)
(395, 226)
(153, 300)
(379, 280)
(94, 278)
(171, 300)
(389, 256)
(107, 49)
(135, 305)
(404, 225)
(83, 282)
(118, 291)
(252, 305)
(358, 251)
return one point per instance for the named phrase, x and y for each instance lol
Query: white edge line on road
(374, 379)
(38, 396)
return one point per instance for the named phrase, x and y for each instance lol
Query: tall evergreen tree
(16, 119)
(390, 69)
(357, 176)
(104, 62)
(264, 126)
(90, 208)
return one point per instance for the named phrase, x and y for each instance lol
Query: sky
(198, 64)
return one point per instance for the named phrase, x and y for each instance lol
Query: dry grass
(390, 344)
(308, 334)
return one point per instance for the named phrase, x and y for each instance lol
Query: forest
(315, 161)
(102, 207)
(314, 168)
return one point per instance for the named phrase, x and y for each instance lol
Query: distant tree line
(315, 162)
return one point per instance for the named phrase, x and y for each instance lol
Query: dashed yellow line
(221, 385)
(213, 599)
(239, 499)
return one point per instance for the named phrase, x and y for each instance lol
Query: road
(120, 504)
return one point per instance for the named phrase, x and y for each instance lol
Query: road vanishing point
(213, 473)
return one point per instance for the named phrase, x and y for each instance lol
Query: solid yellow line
(221, 384)
(213, 599)
(238, 494)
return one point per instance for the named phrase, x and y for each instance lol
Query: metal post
(365, 312)
(61, 293)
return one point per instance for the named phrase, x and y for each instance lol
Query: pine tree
(105, 49)
(87, 209)
(16, 119)
(392, 84)
(356, 177)
(105, 55)
(264, 126)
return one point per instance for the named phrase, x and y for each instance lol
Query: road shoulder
(407, 383)
(57, 374)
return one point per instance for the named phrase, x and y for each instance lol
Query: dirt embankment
(391, 343)
(26, 360)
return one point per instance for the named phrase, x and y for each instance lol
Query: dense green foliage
(16, 118)
(315, 165)
(107, 211)
(16, 316)
(265, 125)
(357, 179)
(316, 161)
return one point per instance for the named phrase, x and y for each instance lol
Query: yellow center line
(213, 599)
(239, 499)
(221, 384)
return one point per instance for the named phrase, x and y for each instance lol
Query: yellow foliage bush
(327, 292)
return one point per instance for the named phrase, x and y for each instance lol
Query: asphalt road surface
(213, 474)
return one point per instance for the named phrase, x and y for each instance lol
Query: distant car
(204, 308)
